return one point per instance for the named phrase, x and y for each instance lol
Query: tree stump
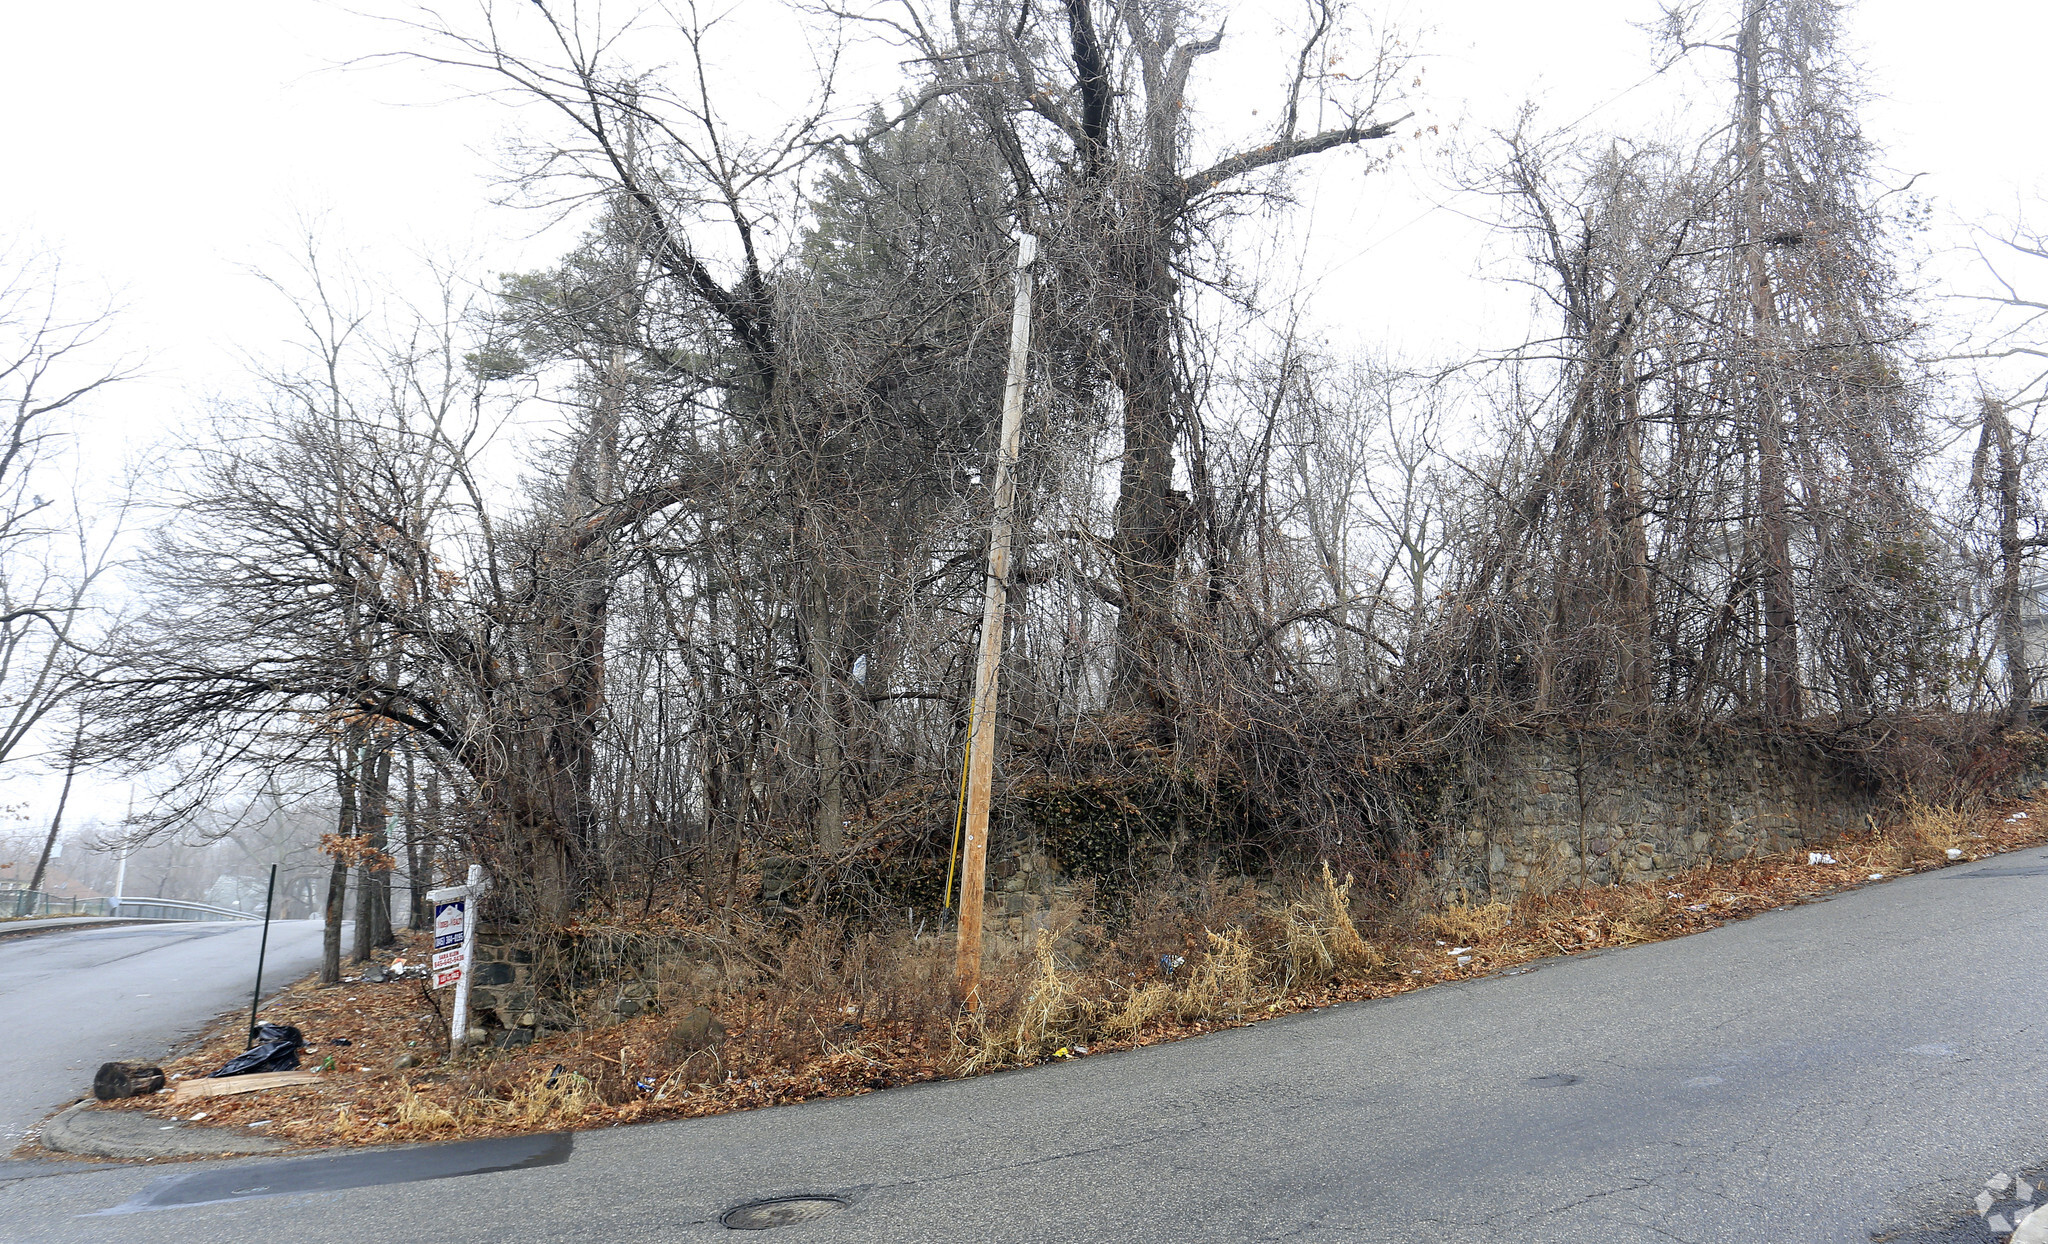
(126, 1079)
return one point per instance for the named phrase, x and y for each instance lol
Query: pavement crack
(1604, 1193)
(1042, 1160)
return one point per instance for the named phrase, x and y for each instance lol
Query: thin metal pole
(262, 949)
(981, 717)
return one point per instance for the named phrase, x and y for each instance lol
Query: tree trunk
(2012, 639)
(1638, 625)
(415, 861)
(1150, 528)
(827, 747)
(57, 821)
(373, 883)
(337, 876)
(427, 877)
(1781, 691)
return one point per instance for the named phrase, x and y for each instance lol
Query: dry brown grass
(1465, 923)
(1940, 829)
(1142, 1006)
(1225, 982)
(1641, 916)
(818, 1010)
(545, 1099)
(1052, 1010)
(1249, 960)
(418, 1113)
(1321, 940)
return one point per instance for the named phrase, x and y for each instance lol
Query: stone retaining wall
(1537, 812)
(501, 985)
(1531, 812)
(524, 982)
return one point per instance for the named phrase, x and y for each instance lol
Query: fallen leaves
(782, 1051)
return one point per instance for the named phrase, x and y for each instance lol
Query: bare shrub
(1936, 827)
(901, 977)
(1171, 914)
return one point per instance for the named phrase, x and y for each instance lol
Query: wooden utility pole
(981, 715)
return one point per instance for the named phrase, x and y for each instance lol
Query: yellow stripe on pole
(959, 810)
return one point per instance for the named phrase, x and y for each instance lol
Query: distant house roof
(56, 883)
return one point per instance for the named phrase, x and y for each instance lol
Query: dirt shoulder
(383, 1078)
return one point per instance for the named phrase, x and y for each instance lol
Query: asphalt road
(1843, 1071)
(75, 998)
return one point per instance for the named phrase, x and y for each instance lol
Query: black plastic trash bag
(277, 1049)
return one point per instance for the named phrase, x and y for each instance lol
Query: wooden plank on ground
(250, 1083)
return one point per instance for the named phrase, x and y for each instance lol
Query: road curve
(1843, 1071)
(74, 998)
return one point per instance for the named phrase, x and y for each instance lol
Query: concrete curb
(34, 928)
(133, 1134)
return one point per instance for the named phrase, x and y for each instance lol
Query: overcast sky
(163, 150)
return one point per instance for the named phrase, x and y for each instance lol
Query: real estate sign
(448, 941)
(455, 943)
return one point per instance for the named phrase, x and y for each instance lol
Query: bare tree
(2004, 452)
(1091, 106)
(53, 551)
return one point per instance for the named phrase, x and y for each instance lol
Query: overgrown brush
(1225, 981)
(1939, 827)
(1321, 940)
(812, 1008)
(1051, 1010)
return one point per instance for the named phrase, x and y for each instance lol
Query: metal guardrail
(175, 909)
(37, 903)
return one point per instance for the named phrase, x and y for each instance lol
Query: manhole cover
(1555, 1081)
(781, 1212)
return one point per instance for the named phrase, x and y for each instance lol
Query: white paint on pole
(455, 945)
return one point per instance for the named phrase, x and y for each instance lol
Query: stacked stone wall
(501, 985)
(524, 982)
(1538, 812)
(1528, 813)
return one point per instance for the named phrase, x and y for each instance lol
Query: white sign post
(455, 945)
